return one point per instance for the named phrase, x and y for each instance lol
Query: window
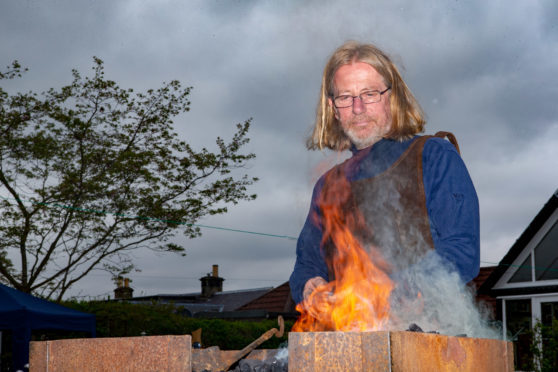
(523, 272)
(518, 325)
(549, 312)
(546, 256)
(544, 259)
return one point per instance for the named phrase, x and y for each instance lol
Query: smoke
(427, 291)
(378, 246)
(433, 296)
(282, 355)
(277, 363)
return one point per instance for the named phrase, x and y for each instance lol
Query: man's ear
(332, 106)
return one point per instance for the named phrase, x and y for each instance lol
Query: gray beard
(361, 143)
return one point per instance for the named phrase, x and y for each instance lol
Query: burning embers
(358, 299)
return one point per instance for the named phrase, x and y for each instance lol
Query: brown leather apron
(390, 209)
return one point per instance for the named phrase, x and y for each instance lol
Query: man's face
(364, 124)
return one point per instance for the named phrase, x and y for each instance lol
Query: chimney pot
(211, 284)
(123, 290)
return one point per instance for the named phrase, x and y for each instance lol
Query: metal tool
(227, 362)
(213, 359)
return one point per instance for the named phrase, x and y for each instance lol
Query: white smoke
(432, 296)
(428, 291)
(282, 355)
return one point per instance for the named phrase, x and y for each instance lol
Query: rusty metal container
(396, 352)
(133, 354)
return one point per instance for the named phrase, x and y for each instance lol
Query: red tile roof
(276, 300)
(475, 284)
(484, 273)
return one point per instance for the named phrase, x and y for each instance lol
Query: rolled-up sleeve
(453, 207)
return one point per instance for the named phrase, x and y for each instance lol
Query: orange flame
(358, 298)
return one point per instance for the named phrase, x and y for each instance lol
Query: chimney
(212, 283)
(123, 290)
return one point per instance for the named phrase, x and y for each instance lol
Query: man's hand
(318, 299)
(311, 285)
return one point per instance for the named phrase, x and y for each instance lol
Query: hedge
(122, 319)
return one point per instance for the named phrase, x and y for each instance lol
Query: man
(413, 192)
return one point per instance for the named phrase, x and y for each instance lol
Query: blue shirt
(451, 201)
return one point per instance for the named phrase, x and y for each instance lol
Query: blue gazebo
(21, 313)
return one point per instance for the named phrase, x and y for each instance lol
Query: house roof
(484, 273)
(279, 299)
(233, 300)
(544, 214)
(488, 301)
(272, 300)
(195, 302)
(276, 300)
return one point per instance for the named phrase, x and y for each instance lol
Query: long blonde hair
(406, 113)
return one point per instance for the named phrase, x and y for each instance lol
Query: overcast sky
(484, 70)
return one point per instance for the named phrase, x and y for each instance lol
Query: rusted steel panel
(429, 352)
(376, 351)
(301, 351)
(206, 359)
(341, 353)
(38, 356)
(151, 353)
(338, 351)
(510, 355)
(396, 352)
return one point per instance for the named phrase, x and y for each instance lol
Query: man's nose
(358, 105)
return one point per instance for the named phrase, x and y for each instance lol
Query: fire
(358, 298)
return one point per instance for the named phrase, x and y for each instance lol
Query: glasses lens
(371, 96)
(343, 101)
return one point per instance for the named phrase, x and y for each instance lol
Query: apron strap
(450, 137)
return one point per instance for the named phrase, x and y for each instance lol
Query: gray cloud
(482, 70)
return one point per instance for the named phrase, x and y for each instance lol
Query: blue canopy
(21, 313)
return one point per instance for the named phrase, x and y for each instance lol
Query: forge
(392, 351)
(396, 351)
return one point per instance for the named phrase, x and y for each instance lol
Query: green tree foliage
(91, 171)
(121, 319)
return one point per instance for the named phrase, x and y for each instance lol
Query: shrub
(544, 347)
(122, 319)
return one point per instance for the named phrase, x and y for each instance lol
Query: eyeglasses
(369, 96)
